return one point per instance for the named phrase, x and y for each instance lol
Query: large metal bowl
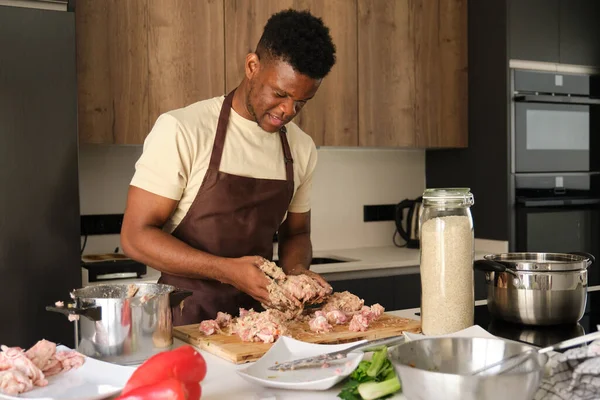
(439, 368)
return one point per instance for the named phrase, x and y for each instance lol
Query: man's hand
(318, 278)
(247, 277)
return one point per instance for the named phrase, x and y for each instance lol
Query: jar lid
(463, 196)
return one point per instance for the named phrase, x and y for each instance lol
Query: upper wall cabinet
(580, 32)
(412, 73)
(533, 27)
(139, 58)
(330, 117)
(112, 71)
(400, 79)
(558, 31)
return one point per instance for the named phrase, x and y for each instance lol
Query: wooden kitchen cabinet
(412, 73)
(112, 71)
(139, 58)
(400, 79)
(185, 53)
(330, 118)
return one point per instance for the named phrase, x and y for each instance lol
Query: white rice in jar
(447, 298)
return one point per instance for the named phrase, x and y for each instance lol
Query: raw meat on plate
(21, 371)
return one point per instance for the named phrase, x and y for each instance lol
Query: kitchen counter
(239, 389)
(360, 263)
(236, 388)
(371, 262)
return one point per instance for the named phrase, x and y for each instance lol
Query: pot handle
(591, 258)
(93, 313)
(492, 266)
(177, 296)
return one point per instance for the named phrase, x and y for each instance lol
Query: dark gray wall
(39, 201)
(484, 165)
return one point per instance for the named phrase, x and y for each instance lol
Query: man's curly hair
(301, 40)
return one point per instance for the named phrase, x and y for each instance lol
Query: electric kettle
(408, 227)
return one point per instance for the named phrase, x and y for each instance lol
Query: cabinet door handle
(539, 98)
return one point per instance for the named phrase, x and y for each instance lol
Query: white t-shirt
(177, 152)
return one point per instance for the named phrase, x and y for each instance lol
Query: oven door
(552, 136)
(562, 226)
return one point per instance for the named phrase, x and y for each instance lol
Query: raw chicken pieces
(343, 301)
(13, 382)
(272, 270)
(359, 323)
(288, 295)
(319, 324)
(210, 326)
(359, 320)
(336, 317)
(264, 327)
(21, 371)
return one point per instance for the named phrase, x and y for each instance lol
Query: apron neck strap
(287, 155)
(217, 150)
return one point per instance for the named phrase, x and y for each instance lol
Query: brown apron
(231, 216)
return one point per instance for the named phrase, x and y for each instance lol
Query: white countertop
(363, 262)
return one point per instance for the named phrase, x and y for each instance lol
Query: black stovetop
(542, 336)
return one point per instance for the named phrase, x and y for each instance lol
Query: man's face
(277, 93)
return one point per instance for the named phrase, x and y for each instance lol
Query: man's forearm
(166, 253)
(295, 252)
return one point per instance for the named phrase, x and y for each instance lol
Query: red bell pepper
(185, 364)
(168, 389)
(194, 390)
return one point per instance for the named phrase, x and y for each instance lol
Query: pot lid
(542, 261)
(121, 291)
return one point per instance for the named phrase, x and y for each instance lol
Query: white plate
(92, 381)
(286, 349)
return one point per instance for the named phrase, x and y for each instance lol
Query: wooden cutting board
(232, 348)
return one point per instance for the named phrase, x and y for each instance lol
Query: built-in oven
(559, 213)
(556, 121)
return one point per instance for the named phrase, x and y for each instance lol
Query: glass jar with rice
(447, 250)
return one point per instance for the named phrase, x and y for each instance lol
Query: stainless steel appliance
(39, 205)
(536, 288)
(556, 117)
(555, 164)
(558, 212)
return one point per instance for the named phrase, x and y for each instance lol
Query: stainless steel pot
(122, 328)
(537, 288)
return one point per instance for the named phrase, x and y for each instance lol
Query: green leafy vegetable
(360, 373)
(379, 357)
(377, 390)
(375, 379)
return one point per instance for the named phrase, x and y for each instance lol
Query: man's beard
(249, 105)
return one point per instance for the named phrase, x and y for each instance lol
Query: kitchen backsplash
(345, 180)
